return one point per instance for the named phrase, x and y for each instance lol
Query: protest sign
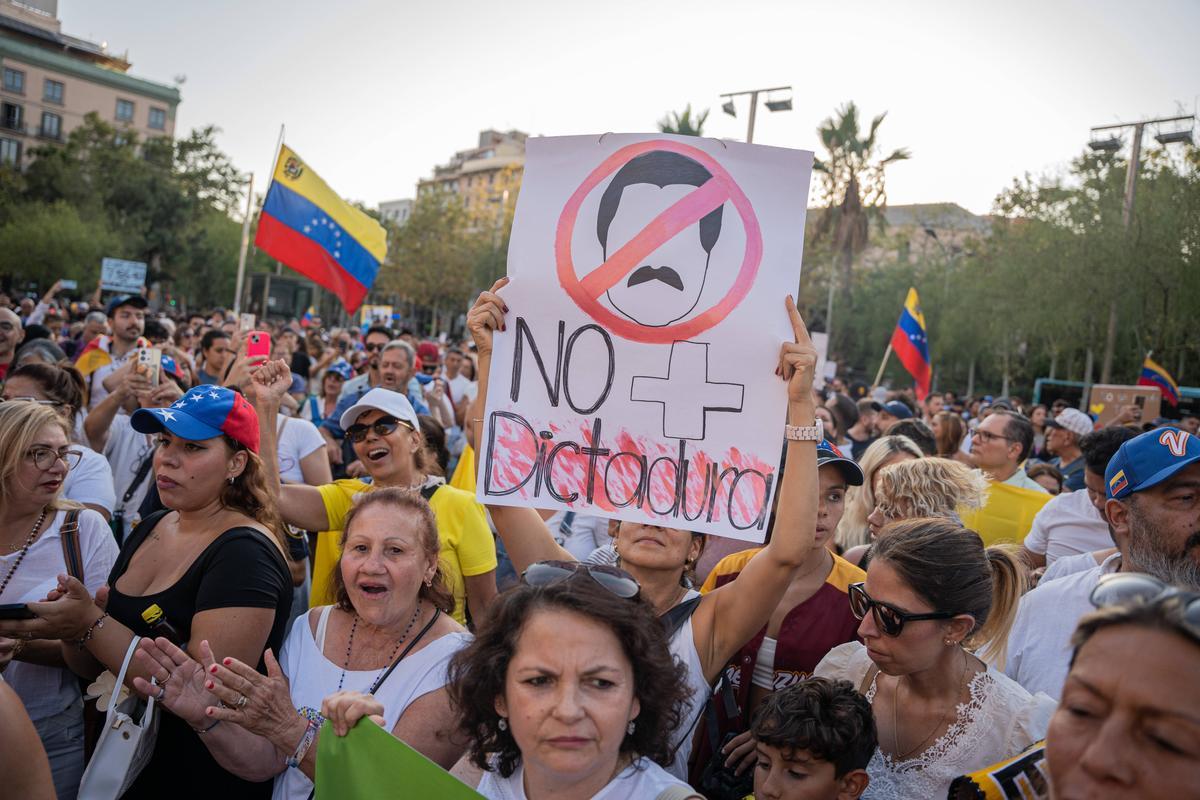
(118, 275)
(376, 315)
(368, 763)
(1107, 401)
(636, 376)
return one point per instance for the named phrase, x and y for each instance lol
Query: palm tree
(853, 188)
(683, 124)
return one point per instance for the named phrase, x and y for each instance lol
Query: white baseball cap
(1073, 420)
(385, 400)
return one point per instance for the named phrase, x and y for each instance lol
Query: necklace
(29, 540)
(396, 649)
(896, 719)
(820, 563)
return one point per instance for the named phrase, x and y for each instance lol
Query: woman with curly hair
(213, 563)
(860, 500)
(928, 487)
(570, 690)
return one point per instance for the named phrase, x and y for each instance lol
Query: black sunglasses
(382, 427)
(372, 347)
(890, 619)
(614, 579)
(1122, 588)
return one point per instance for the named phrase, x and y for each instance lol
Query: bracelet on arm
(82, 641)
(310, 733)
(202, 731)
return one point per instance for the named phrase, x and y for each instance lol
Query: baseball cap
(1149, 459)
(1073, 420)
(429, 353)
(897, 410)
(828, 453)
(341, 367)
(205, 412)
(135, 300)
(171, 368)
(384, 400)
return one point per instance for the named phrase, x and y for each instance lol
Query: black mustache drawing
(665, 274)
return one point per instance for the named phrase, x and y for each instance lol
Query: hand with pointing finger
(798, 359)
(487, 316)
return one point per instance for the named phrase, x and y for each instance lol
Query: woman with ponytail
(936, 604)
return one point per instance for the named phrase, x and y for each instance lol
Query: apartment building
(49, 81)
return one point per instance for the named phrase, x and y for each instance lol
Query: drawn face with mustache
(665, 285)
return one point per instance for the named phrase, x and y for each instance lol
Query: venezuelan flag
(911, 344)
(1153, 374)
(307, 226)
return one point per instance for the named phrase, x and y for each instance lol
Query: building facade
(471, 174)
(49, 81)
(396, 211)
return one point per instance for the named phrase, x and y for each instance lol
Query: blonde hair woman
(35, 456)
(860, 500)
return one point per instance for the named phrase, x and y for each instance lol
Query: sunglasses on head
(382, 427)
(890, 619)
(1122, 588)
(614, 579)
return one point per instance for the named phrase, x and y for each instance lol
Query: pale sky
(375, 93)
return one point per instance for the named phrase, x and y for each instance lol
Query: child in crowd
(814, 740)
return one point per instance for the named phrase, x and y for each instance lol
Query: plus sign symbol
(685, 392)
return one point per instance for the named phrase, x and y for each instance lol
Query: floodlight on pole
(1173, 137)
(1110, 145)
(772, 105)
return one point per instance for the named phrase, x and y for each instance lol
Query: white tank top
(641, 780)
(683, 647)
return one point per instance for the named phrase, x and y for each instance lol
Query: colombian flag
(911, 344)
(307, 226)
(1153, 374)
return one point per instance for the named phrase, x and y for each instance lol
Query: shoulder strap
(72, 552)
(674, 619)
(867, 680)
(316, 412)
(429, 491)
(139, 476)
(322, 625)
(436, 613)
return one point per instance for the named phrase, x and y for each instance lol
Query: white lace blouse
(1000, 720)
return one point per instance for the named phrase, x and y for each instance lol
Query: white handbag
(125, 744)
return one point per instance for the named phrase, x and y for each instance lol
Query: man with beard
(1153, 513)
(104, 355)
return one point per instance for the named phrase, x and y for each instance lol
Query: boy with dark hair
(814, 740)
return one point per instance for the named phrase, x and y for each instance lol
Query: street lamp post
(1110, 144)
(772, 105)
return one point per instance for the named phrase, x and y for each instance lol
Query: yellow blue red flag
(911, 344)
(1154, 374)
(308, 227)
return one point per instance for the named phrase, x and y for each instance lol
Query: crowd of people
(263, 539)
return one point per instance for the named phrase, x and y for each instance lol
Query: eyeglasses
(371, 347)
(44, 457)
(988, 436)
(382, 427)
(890, 619)
(1131, 587)
(614, 579)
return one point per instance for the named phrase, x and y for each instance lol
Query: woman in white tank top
(660, 557)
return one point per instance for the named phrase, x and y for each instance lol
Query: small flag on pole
(911, 344)
(305, 225)
(1154, 374)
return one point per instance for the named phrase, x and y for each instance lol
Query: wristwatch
(805, 433)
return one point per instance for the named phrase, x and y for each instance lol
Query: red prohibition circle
(721, 184)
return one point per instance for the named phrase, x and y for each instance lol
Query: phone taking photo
(16, 611)
(149, 363)
(258, 344)
(246, 322)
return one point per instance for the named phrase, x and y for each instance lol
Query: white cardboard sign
(118, 275)
(636, 375)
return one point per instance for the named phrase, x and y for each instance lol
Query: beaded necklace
(395, 650)
(29, 540)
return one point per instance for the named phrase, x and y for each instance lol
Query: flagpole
(886, 354)
(241, 273)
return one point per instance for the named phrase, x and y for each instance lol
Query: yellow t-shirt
(467, 545)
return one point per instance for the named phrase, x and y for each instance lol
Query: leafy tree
(42, 242)
(854, 195)
(684, 123)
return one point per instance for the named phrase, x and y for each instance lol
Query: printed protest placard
(118, 275)
(636, 376)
